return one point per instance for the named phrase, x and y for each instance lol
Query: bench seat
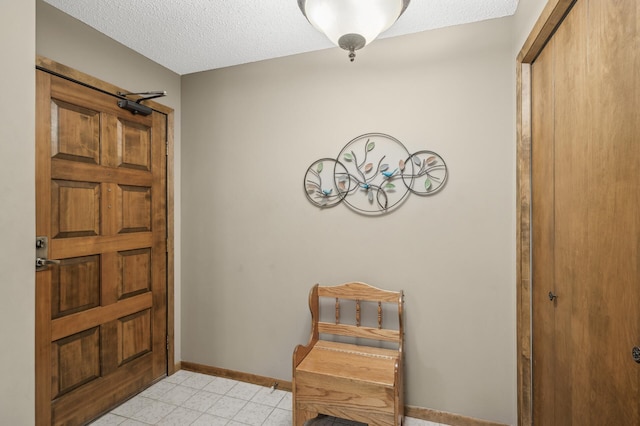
(347, 380)
(351, 362)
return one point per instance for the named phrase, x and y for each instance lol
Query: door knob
(552, 296)
(635, 353)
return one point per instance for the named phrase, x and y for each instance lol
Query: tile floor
(188, 398)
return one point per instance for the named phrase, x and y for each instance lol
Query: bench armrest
(301, 351)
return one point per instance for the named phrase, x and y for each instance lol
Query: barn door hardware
(135, 106)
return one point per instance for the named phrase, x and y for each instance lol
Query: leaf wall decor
(369, 186)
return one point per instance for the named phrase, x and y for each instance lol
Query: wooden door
(585, 151)
(101, 322)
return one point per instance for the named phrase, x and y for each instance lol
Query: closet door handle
(552, 296)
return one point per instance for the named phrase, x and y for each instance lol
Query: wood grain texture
(86, 246)
(75, 132)
(70, 324)
(351, 381)
(75, 285)
(65, 170)
(523, 273)
(123, 383)
(73, 74)
(133, 272)
(543, 224)
(595, 226)
(133, 336)
(75, 208)
(75, 361)
(235, 375)
(571, 143)
(596, 88)
(351, 362)
(359, 331)
(359, 291)
(545, 26)
(43, 227)
(102, 175)
(172, 366)
(159, 243)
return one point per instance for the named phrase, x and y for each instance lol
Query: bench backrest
(360, 293)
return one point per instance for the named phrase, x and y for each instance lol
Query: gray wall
(253, 245)
(17, 215)
(294, 139)
(72, 43)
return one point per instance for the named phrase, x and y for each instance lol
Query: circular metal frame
(367, 172)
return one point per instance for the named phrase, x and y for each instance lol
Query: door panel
(542, 222)
(572, 197)
(585, 221)
(133, 145)
(75, 285)
(75, 132)
(101, 200)
(75, 208)
(75, 361)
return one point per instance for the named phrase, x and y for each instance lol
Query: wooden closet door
(101, 202)
(586, 218)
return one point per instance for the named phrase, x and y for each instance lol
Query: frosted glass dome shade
(365, 18)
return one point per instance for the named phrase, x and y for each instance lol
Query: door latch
(42, 254)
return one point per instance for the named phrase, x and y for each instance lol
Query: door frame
(81, 78)
(544, 28)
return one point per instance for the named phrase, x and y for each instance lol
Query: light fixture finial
(352, 42)
(352, 24)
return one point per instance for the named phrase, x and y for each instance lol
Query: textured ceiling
(188, 36)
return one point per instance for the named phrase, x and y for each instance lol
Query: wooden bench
(351, 380)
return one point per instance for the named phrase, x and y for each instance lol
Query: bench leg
(300, 417)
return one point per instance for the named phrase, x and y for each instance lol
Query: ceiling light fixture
(352, 24)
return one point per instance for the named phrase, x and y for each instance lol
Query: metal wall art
(373, 174)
